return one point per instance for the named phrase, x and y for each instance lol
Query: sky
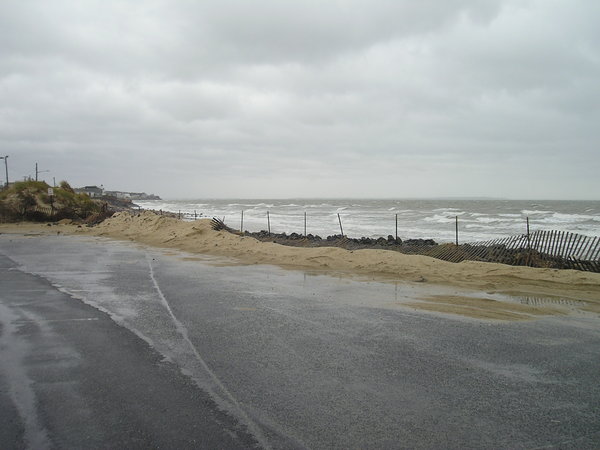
(304, 98)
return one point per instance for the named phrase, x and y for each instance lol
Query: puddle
(215, 261)
(510, 306)
(545, 301)
(570, 304)
(484, 308)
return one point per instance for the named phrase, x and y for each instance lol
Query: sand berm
(383, 265)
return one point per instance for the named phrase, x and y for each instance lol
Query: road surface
(108, 344)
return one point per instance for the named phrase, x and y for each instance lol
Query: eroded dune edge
(382, 265)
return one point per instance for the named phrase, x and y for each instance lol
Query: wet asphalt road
(106, 344)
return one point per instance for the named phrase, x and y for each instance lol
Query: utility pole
(5, 158)
(38, 171)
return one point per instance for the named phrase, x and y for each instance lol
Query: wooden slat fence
(554, 249)
(43, 210)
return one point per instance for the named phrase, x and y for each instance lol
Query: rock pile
(337, 240)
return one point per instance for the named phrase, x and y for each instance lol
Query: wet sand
(576, 287)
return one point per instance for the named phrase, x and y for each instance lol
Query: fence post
(179, 215)
(528, 262)
(396, 227)
(304, 223)
(195, 215)
(457, 231)
(269, 223)
(341, 229)
(242, 223)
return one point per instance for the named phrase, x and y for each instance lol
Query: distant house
(117, 194)
(92, 191)
(143, 196)
(96, 192)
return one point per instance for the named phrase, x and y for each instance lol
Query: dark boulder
(420, 242)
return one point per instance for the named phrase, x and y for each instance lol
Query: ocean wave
(474, 226)
(531, 212)
(321, 205)
(488, 220)
(569, 218)
(439, 219)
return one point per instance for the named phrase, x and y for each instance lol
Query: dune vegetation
(30, 201)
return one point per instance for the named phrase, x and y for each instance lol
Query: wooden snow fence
(551, 249)
(219, 225)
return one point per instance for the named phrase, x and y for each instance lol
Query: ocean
(478, 220)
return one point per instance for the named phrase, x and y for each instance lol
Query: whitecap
(488, 220)
(439, 219)
(531, 212)
(568, 218)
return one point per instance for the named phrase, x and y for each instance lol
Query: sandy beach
(381, 265)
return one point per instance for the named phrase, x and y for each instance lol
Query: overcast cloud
(275, 98)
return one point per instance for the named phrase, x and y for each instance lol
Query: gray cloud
(272, 98)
